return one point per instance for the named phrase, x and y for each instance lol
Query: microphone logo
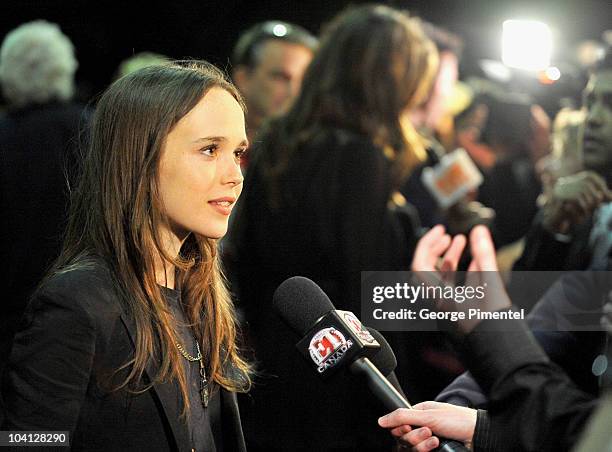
(354, 324)
(327, 347)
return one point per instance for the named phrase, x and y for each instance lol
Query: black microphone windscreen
(384, 359)
(300, 303)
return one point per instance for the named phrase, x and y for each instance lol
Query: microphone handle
(391, 397)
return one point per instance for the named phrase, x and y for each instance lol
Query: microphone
(335, 339)
(451, 178)
(385, 359)
(375, 372)
(331, 337)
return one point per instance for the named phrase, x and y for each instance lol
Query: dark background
(106, 32)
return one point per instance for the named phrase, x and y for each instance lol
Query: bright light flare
(279, 30)
(526, 44)
(553, 73)
(549, 76)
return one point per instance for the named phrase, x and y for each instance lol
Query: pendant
(204, 395)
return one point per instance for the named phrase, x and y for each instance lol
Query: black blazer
(74, 335)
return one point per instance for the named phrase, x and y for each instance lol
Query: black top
(199, 418)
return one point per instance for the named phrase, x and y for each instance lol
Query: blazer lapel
(167, 393)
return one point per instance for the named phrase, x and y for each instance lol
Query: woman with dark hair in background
(129, 342)
(317, 205)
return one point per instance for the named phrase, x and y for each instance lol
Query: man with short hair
(574, 228)
(269, 61)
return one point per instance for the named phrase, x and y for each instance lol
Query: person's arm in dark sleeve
(552, 321)
(463, 391)
(50, 365)
(533, 405)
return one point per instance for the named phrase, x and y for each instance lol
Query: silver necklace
(204, 393)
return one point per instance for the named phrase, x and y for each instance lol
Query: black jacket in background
(574, 301)
(533, 404)
(37, 144)
(332, 223)
(511, 188)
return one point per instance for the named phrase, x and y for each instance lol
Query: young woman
(316, 204)
(130, 341)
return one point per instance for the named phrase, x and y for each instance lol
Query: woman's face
(199, 173)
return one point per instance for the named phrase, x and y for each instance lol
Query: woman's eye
(209, 151)
(239, 153)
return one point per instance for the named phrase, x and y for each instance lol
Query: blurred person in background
(433, 117)
(38, 149)
(566, 154)
(434, 120)
(537, 400)
(268, 64)
(518, 133)
(139, 61)
(573, 230)
(428, 117)
(318, 202)
(581, 201)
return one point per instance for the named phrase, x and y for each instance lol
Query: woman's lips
(222, 205)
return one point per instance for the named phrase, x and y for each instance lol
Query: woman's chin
(213, 233)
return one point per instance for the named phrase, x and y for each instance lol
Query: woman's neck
(164, 270)
(164, 275)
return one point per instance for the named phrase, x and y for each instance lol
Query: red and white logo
(324, 343)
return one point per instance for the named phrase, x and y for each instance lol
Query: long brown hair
(373, 64)
(115, 214)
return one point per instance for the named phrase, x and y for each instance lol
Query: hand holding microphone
(418, 426)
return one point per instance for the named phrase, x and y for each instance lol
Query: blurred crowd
(362, 139)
